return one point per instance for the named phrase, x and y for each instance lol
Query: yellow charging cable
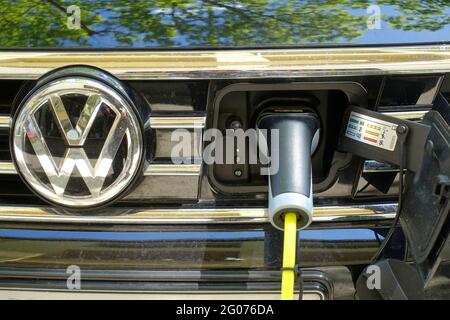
(289, 247)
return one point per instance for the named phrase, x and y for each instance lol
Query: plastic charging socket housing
(372, 135)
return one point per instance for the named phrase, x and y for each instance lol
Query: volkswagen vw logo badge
(77, 142)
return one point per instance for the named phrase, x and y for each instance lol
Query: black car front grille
(405, 93)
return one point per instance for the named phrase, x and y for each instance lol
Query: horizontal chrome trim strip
(173, 170)
(243, 64)
(155, 122)
(155, 275)
(177, 122)
(224, 284)
(407, 115)
(190, 216)
(48, 294)
(151, 170)
(5, 122)
(7, 168)
(199, 122)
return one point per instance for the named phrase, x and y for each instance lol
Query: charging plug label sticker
(372, 131)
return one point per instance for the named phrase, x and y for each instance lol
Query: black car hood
(162, 24)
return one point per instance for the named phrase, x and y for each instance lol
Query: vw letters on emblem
(77, 142)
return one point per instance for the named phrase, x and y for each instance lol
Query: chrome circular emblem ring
(77, 142)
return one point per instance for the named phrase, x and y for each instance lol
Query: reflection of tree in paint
(159, 23)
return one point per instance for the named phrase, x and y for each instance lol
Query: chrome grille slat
(176, 122)
(172, 169)
(236, 64)
(187, 122)
(118, 215)
(162, 122)
(7, 167)
(5, 122)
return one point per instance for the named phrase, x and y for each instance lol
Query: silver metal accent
(323, 214)
(54, 294)
(164, 169)
(408, 115)
(173, 170)
(197, 123)
(76, 137)
(59, 170)
(7, 168)
(177, 122)
(5, 122)
(183, 284)
(161, 284)
(156, 122)
(236, 64)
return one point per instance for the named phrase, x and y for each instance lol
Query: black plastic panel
(426, 204)
(245, 102)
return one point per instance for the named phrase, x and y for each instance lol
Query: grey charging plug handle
(290, 188)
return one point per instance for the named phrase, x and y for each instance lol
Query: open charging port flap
(423, 150)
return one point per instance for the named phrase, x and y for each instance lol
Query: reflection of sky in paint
(384, 35)
(324, 235)
(198, 15)
(389, 35)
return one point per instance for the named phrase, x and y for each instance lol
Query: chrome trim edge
(7, 168)
(5, 122)
(55, 294)
(173, 170)
(177, 122)
(151, 170)
(199, 122)
(191, 216)
(172, 284)
(408, 115)
(156, 122)
(236, 64)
